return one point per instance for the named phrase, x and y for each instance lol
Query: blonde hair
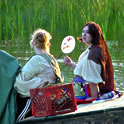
(40, 39)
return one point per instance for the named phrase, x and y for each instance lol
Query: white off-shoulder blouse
(88, 69)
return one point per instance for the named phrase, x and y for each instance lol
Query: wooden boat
(107, 112)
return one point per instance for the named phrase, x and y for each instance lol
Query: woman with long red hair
(94, 64)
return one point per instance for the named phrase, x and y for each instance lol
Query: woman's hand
(67, 61)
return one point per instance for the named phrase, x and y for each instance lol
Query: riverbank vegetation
(19, 18)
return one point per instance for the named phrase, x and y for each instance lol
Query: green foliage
(19, 18)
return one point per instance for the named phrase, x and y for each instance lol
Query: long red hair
(98, 39)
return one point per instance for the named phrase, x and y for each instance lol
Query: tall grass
(19, 18)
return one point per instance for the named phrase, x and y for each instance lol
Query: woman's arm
(94, 90)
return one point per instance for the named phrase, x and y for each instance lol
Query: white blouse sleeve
(33, 67)
(28, 78)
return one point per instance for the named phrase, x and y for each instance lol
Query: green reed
(19, 18)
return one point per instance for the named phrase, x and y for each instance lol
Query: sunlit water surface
(116, 52)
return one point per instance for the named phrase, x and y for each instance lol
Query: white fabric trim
(24, 110)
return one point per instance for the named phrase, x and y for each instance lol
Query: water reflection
(119, 73)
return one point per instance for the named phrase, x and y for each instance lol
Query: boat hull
(109, 112)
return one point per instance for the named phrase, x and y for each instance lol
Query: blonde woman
(40, 68)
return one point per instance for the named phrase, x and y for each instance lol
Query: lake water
(115, 48)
